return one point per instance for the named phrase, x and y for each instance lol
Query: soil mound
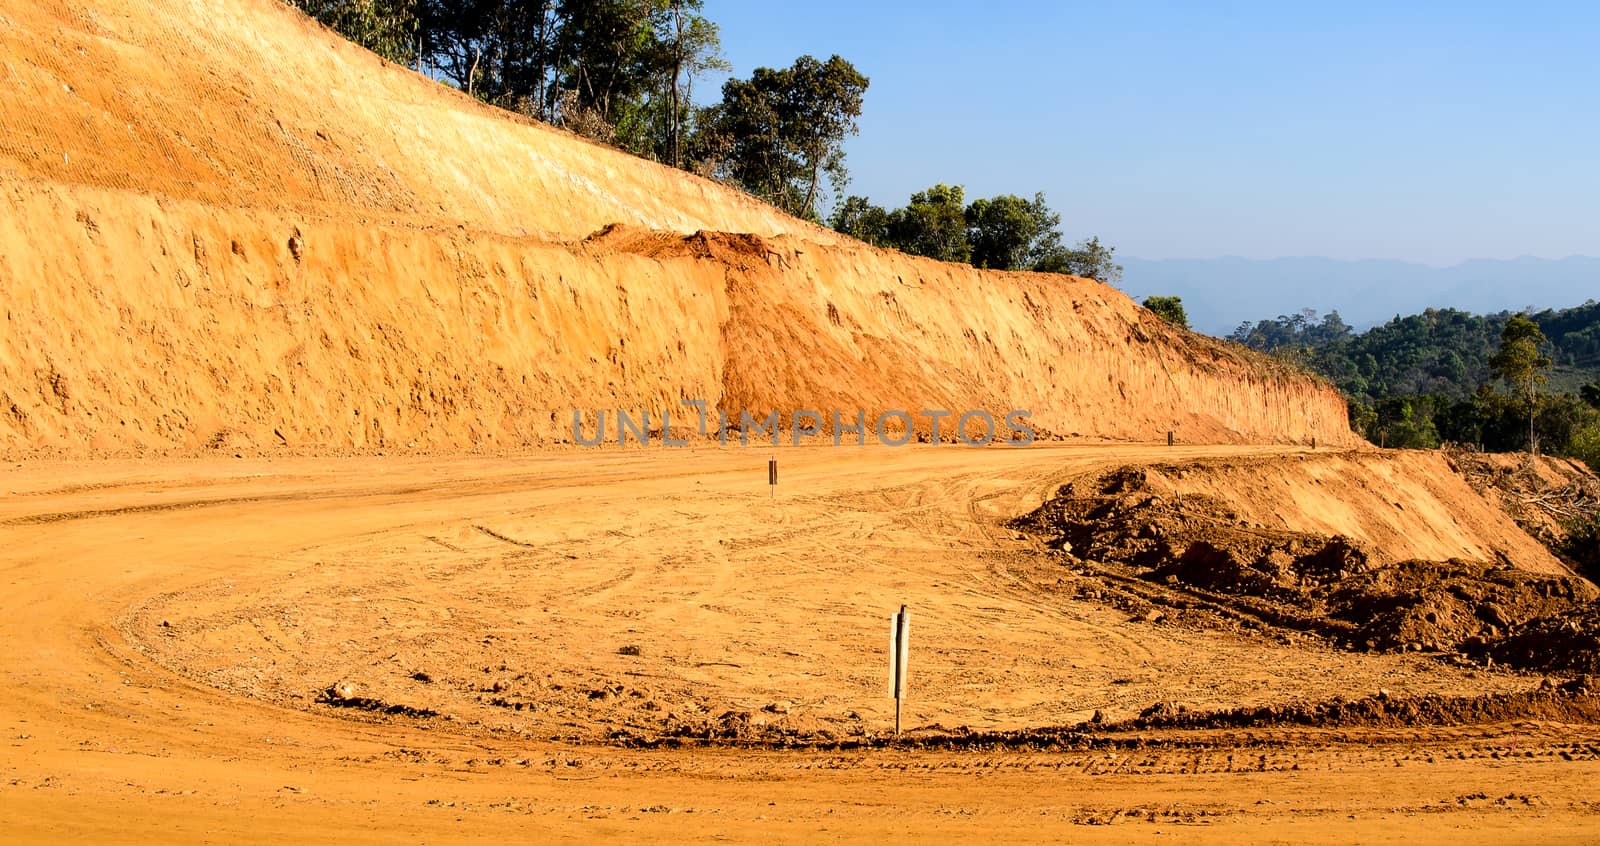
(1564, 642)
(1149, 523)
(1574, 702)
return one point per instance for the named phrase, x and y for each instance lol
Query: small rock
(344, 691)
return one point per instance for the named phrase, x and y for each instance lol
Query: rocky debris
(343, 695)
(1567, 642)
(1571, 702)
(1575, 701)
(1545, 496)
(777, 724)
(1127, 521)
(1163, 711)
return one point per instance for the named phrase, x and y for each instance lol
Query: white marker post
(899, 655)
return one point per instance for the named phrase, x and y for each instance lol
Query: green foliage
(933, 224)
(1582, 545)
(1440, 351)
(1362, 418)
(1591, 394)
(1519, 361)
(1406, 423)
(621, 71)
(1170, 309)
(860, 219)
(1010, 233)
(1000, 233)
(1297, 330)
(788, 128)
(1585, 446)
(1425, 379)
(386, 27)
(1090, 259)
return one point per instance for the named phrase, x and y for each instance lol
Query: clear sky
(1431, 132)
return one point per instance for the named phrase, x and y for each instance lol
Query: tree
(1406, 423)
(609, 54)
(1090, 259)
(934, 224)
(788, 128)
(1010, 233)
(501, 51)
(386, 27)
(860, 219)
(1591, 394)
(694, 47)
(1169, 309)
(1522, 366)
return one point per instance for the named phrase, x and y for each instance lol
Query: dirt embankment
(341, 255)
(1545, 497)
(1373, 551)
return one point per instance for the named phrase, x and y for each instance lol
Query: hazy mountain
(1221, 293)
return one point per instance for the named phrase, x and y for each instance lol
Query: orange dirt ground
(294, 544)
(276, 578)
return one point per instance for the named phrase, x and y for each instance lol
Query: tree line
(1007, 232)
(623, 72)
(1499, 382)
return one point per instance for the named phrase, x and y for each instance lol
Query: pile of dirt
(1137, 520)
(1565, 642)
(1576, 701)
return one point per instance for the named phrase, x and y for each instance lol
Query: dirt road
(170, 627)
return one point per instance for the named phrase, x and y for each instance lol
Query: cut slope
(248, 102)
(1405, 505)
(338, 253)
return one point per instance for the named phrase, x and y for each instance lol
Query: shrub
(1583, 545)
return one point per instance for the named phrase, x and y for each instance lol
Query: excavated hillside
(223, 226)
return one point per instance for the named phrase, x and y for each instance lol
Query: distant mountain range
(1221, 293)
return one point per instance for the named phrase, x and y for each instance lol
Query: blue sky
(1433, 133)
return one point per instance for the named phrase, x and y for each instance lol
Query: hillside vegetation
(1429, 378)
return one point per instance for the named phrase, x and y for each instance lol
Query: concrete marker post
(899, 658)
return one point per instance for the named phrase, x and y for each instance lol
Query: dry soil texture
(172, 627)
(221, 226)
(234, 248)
